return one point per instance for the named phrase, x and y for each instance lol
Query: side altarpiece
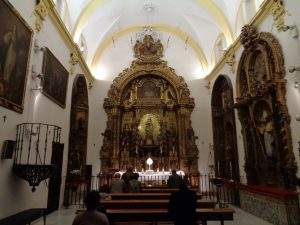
(149, 115)
(262, 110)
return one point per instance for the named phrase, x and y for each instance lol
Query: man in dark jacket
(174, 180)
(182, 206)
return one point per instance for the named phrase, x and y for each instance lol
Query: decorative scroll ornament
(263, 112)
(40, 13)
(278, 13)
(248, 36)
(230, 60)
(74, 59)
(148, 50)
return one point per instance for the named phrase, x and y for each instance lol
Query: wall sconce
(90, 86)
(293, 29)
(36, 46)
(296, 85)
(292, 69)
(207, 85)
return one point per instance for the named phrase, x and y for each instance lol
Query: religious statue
(265, 128)
(149, 132)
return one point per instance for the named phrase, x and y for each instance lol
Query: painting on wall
(15, 45)
(55, 79)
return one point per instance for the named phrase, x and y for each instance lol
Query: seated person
(174, 180)
(117, 185)
(135, 184)
(91, 216)
(182, 206)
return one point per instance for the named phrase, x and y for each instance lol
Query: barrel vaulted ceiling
(200, 24)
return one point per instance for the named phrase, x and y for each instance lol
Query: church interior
(91, 90)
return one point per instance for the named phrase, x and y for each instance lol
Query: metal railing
(227, 193)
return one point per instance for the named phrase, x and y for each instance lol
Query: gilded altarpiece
(262, 110)
(149, 115)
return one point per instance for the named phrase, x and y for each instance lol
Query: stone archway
(261, 104)
(224, 129)
(150, 87)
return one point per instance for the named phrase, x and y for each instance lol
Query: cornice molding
(265, 10)
(63, 31)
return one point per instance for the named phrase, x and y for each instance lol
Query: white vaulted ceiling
(191, 25)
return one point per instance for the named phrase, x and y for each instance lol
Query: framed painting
(55, 81)
(15, 47)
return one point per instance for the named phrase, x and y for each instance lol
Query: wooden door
(55, 180)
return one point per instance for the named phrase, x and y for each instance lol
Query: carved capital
(74, 59)
(278, 13)
(230, 60)
(40, 12)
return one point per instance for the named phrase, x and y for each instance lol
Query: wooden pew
(161, 190)
(149, 204)
(143, 196)
(161, 215)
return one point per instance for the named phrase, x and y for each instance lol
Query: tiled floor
(66, 216)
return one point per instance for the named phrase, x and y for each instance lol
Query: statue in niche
(191, 140)
(266, 131)
(226, 100)
(259, 72)
(133, 92)
(149, 128)
(125, 138)
(170, 139)
(107, 142)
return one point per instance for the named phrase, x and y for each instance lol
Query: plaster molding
(66, 36)
(159, 27)
(74, 60)
(259, 17)
(40, 13)
(278, 13)
(209, 5)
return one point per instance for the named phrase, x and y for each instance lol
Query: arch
(261, 104)
(215, 11)
(159, 27)
(224, 129)
(79, 117)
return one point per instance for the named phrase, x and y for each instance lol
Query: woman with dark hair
(91, 216)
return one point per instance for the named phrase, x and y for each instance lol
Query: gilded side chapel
(141, 101)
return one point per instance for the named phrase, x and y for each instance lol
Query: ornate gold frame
(153, 65)
(271, 91)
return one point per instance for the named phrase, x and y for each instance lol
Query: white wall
(15, 193)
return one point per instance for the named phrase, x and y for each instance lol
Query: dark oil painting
(15, 45)
(55, 79)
